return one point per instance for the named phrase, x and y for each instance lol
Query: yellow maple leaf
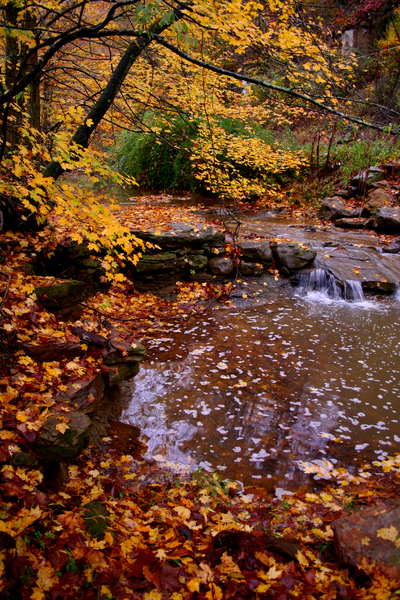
(46, 577)
(388, 533)
(193, 585)
(262, 588)
(274, 573)
(183, 512)
(105, 592)
(215, 592)
(37, 594)
(62, 427)
(302, 559)
(153, 595)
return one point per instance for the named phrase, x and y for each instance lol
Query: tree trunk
(84, 131)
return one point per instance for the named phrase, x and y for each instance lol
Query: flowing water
(251, 389)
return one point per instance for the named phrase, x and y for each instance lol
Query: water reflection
(250, 391)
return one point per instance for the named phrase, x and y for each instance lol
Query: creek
(294, 374)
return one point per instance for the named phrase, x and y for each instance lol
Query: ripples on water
(249, 391)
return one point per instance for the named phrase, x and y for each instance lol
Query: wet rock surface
(385, 220)
(291, 257)
(221, 265)
(375, 271)
(330, 207)
(351, 223)
(256, 252)
(370, 537)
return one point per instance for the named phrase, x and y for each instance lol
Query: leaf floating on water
(197, 352)
(222, 365)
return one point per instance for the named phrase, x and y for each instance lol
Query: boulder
(54, 444)
(256, 252)
(290, 257)
(377, 199)
(385, 220)
(370, 538)
(60, 296)
(120, 372)
(196, 262)
(364, 179)
(122, 351)
(331, 206)
(23, 459)
(90, 338)
(354, 223)
(91, 272)
(246, 268)
(335, 208)
(391, 168)
(220, 265)
(365, 265)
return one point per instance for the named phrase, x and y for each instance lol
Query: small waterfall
(353, 291)
(324, 282)
(320, 280)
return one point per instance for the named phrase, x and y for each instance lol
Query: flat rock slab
(350, 223)
(370, 538)
(159, 262)
(380, 272)
(183, 235)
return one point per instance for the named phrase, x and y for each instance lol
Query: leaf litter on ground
(122, 527)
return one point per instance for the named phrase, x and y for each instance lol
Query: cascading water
(320, 280)
(353, 291)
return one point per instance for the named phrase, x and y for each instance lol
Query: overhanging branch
(266, 85)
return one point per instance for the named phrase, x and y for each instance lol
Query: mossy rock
(63, 295)
(96, 518)
(55, 445)
(291, 257)
(196, 262)
(23, 459)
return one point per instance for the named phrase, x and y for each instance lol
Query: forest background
(270, 101)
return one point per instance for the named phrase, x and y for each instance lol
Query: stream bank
(130, 529)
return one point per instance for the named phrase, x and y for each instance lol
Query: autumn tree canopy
(73, 71)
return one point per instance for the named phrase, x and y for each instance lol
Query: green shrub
(160, 160)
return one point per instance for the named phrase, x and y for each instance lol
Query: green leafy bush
(158, 156)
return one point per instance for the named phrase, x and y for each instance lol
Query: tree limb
(266, 85)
